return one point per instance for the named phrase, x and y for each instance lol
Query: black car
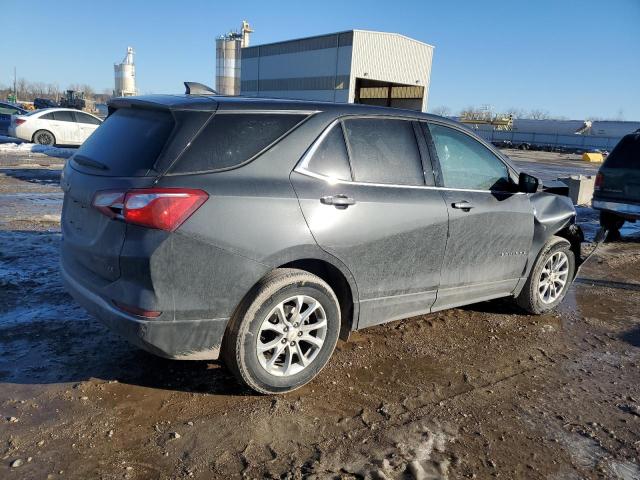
(262, 230)
(6, 111)
(617, 188)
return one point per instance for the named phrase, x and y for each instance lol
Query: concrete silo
(125, 76)
(228, 51)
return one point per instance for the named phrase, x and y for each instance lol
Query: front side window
(331, 158)
(466, 163)
(384, 151)
(231, 139)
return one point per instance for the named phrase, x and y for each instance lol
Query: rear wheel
(44, 137)
(549, 278)
(283, 333)
(611, 221)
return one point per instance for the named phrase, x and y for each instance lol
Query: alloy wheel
(291, 335)
(553, 277)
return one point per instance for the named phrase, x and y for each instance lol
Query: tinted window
(384, 151)
(128, 142)
(331, 158)
(231, 139)
(47, 116)
(466, 163)
(63, 116)
(626, 153)
(84, 118)
(6, 110)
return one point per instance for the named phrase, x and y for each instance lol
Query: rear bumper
(180, 340)
(627, 210)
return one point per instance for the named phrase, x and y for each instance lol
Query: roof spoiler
(195, 88)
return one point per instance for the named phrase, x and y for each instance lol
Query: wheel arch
(341, 286)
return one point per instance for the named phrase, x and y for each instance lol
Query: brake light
(19, 121)
(161, 208)
(138, 312)
(599, 181)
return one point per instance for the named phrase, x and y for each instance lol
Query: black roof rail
(195, 88)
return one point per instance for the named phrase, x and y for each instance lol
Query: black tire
(530, 298)
(44, 137)
(239, 348)
(611, 221)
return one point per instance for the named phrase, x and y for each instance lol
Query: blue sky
(573, 58)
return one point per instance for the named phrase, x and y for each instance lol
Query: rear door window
(128, 142)
(626, 154)
(331, 158)
(230, 139)
(85, 118)
(384, 151)
(63, 116)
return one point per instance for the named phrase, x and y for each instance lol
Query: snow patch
(9, 145)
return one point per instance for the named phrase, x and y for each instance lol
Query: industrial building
(355, 66)
(125, 76)
(228, 48)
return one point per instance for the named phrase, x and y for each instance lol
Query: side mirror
(528, 183)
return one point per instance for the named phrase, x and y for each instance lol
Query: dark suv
(263, 230)
(617, 189)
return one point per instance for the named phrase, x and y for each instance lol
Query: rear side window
(331, 158)
(84, 118)
(233, 138)
(626, 154)
(128, 142)
(63, 116)
(384, 151)
(47, 116)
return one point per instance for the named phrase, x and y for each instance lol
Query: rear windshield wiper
(87, 162)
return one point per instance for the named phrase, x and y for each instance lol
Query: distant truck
(39, 103)
(73, 99)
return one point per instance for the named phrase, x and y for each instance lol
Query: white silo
(228, 51)
(125, 76)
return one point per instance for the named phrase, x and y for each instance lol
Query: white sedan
(54, 126)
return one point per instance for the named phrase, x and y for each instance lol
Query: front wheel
(549, 278)
(283, 333)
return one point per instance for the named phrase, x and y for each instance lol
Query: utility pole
(15, 91)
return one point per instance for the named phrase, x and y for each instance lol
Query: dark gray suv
(263, 230)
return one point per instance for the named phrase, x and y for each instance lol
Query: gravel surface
(478, 392)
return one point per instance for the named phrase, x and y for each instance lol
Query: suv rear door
(490, 223)
(620, 173)
(367, 203)
(119, 156)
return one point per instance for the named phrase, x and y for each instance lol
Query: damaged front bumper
(176, 339)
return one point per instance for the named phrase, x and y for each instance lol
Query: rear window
(231, 139)
(128, 142)
(626, 153)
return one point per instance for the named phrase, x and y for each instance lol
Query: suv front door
(490, 223)
(366, 203)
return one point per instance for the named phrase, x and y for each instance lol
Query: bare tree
(442, 110)
(537, 114)
(516, 112)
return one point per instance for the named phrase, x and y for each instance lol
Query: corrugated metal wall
(391, 57)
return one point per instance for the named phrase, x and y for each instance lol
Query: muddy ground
(479, 392)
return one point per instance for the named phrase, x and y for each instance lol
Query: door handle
(338, 201)
(464, 206)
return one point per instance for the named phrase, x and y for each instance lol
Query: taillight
(19, 121)
(599, 181)
(161, 208)
(137, 311)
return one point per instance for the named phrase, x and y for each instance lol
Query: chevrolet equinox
(261, 230)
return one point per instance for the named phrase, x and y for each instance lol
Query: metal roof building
(356, 66)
